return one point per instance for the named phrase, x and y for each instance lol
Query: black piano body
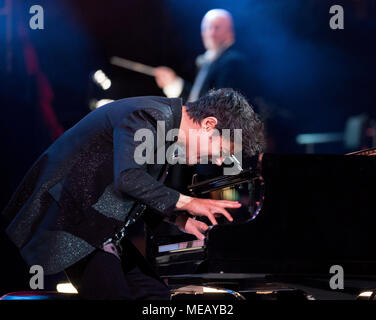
(312, 212)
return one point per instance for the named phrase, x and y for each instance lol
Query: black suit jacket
(229, 70)
(80, 190)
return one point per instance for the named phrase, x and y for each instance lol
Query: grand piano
(301, 215)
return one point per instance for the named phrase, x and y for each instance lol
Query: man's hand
(189, 225)
(164, 76)
(206, 207)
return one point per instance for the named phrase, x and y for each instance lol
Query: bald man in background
(221, 66)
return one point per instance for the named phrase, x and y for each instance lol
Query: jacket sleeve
(187, 87)
(131, 176)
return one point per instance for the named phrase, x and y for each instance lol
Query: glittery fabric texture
(80, 190)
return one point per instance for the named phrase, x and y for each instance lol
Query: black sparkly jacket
(80, 190)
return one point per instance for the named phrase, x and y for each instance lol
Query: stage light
(366, 294)
(106, 84)
(213, 290)
(102, 102)
(202, 291)
(66, 287)
(100, 78)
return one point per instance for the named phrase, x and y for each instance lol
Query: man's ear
(209, 123)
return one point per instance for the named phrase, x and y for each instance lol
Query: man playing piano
(67, 212)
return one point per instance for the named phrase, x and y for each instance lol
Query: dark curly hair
(232, 111)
